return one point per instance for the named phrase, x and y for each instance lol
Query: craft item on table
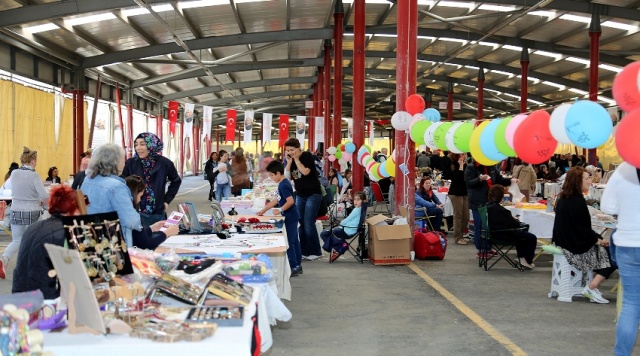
(258, 228)
(98, 238)
(533, 206)
(144, 262)
(220, 315)
(191, 219)
(183, 291)
(32, 301)
(16, 338)
(173, 219)
(248, 271)
(226, 288)
(217, 216)
(195, 265)
(172, 332)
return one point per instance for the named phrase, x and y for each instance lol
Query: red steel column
(311, 118)
(94, 110)
(428, 98)
(78, 126)
(359, 30)
(480, 93)
(119, 109)
(159, 126)
(129, 140)
(450, 102)
(217, 140)
(594, 57)
(524, 83)
(405, 86)
(338, 32)
(181, 151)
(326, 97)
(196, 149)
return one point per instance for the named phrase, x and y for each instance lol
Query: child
(336, 244)
(223, 177)
(284, 198)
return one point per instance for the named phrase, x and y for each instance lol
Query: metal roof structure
(264, 54)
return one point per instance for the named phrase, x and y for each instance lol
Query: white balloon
(401, 120)
(372, 178)
(428, 135)
(557, 123)
(342, 162)
(448, 138)
(331, 150)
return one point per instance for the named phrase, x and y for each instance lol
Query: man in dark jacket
(479, 179)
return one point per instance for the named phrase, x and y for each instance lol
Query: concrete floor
(348, 308)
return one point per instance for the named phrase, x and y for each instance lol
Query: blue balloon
(431, 114)
(383, 171)
(487, 141)
(350, 147)
(588, 124)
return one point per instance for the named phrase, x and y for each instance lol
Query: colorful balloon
(331, 150)
(488, 144)
(350, 147)
(533, 140)
(332, 158)
(367, 147)
(414, 104)
(401, 120)
(626, 87)
(588, 124)
(500, 139)
(338, 154)
(462, 136)
(557, 123)
(382, 171)
(448, 138)
(428, 135)
(347, 156)
(390, 167)
(440, 133)
(418, 130)
(474, 146)
(627, 138)
(511, 128)
(432, 114)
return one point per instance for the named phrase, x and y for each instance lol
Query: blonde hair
(28, 155)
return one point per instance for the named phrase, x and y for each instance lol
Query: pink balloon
(347, 156)
(512, 127)
(413, 122)
(332, 158)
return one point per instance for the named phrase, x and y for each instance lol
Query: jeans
(150, 219)
(16, 237)
(460, 215)
(628, 259)
(293, 252)
(477, 231)
(223, 191)
(338, 242)
(308, 208)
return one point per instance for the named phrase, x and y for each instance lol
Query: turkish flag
(284, 129)
(231, 125)
(173, 116)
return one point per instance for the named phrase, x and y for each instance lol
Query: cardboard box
(388, 244)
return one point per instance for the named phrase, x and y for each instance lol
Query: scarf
(154, 145)
(489, 182)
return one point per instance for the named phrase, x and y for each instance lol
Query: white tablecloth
(541, 222)
(230, 341)
(595, 193)
(552, 189)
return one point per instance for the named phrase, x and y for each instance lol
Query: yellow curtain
(608, 152)
(6, 132)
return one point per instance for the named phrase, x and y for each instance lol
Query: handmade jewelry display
(98, 238)
(226, 288)
(178, 288)
(222, 316)
(172, 332)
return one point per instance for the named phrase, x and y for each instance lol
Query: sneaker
(3, 274)
(525, 264)
(334, 255)
(296, 271)
(462, 242)
(312, 257)
(305, 257)
(594, 296)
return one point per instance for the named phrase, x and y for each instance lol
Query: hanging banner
(350, 130)
(248, 126)
(284, 129)
(206, 122)
(188, 119)
(372, 133)
(301, 129)
(231, 125)
(319, 130)
(266, 128)
(59, 110)
(173, 116)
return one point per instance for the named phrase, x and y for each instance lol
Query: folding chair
(358, 251)
(379, 197)
(502, 247)
(3, 209)
(425, 219)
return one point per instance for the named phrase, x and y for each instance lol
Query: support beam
(480, 93)
(338, 17)
(270, 94)
(524, 83)
(595, 31)
(326, 98)
(358, 89)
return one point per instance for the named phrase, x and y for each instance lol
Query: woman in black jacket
(458, 197)
(501, 219)
(155, 170)
(34, 264)
(584, 248)
(209, 167)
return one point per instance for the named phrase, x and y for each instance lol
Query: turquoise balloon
(439, 135)
(462, 136)
(588, 124)
(417, 131)
(350, 147)
(487, 141)
(500, 138)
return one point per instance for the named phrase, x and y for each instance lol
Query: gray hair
(105, 160)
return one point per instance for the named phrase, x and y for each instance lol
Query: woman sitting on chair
(501, 219)
(334, 240)
(428, 204)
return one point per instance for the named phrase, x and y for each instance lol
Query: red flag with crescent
(284, 129)
(174, 107)
(231, 124)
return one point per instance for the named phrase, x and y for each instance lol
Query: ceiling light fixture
(41, 28)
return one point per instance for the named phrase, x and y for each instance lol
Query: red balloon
(532, 140)
(625, 87)
(414, 104)
(627, 138)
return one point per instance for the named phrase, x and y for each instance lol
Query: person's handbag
(206, 176)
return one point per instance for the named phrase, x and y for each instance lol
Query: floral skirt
(595, 258)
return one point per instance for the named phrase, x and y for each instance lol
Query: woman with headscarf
(240, 168)
(155, 170)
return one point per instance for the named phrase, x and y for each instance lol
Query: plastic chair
(502, 247)
(359, 251)
(566, 280)
(378, 197)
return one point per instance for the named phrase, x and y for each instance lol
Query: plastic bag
(517, 196)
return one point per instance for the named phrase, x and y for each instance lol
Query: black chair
(359, 250)
(502, 246)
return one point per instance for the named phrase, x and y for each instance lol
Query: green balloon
(438, 136)
(368, 148)
(462, 136)
(417, 131)
(500, 138)
(338, 154)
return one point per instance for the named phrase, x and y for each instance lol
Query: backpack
(429, 244)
